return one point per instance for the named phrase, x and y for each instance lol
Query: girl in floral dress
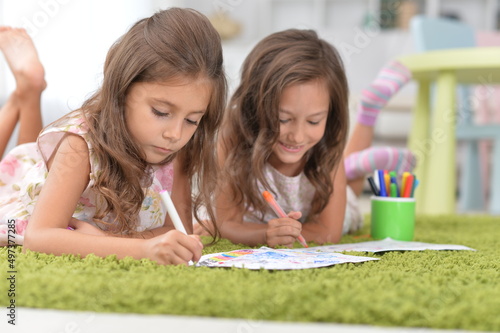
(23, 108)
(91, 182)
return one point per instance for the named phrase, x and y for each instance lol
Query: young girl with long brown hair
(150, 127)
(285, 132)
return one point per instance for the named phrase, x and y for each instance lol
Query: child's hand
(174, 248)
(284, 231)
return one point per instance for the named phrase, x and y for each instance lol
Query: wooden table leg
(418, 138)
(439, 196)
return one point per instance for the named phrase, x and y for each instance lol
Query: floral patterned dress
(23, 172)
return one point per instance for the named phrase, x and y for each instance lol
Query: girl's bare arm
(47, 231)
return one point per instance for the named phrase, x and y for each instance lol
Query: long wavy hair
(251, 126)
(171, 44)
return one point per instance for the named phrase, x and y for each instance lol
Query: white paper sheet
(388, 244)
(277, 259)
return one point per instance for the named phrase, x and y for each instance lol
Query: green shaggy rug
(434, 289)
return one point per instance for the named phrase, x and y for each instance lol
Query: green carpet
(434, 289)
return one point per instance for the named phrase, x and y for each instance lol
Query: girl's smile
(290, 148)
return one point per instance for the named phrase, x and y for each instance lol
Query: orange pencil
(403, 182)
(408, 186)
(279, 211)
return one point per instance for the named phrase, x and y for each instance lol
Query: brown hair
(171, 44)
(252, 124)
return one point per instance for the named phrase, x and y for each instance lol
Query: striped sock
(388, 82)
(362, 163)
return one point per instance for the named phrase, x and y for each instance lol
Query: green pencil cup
(392, 217)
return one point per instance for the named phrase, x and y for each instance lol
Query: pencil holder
(392, 217)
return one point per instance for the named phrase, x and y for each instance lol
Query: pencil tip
(268, 196)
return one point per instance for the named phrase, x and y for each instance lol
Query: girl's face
(162, 117)
(303, 111)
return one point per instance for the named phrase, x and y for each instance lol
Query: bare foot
(21, 55)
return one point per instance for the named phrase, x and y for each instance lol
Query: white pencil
(376, 179)
(174, 216)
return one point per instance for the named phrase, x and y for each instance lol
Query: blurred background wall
(73, 36)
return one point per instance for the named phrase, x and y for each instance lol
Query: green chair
(433, 134)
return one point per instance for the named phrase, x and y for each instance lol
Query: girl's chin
(287, 159)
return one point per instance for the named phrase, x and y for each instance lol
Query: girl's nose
(173, 132)
(296, 134)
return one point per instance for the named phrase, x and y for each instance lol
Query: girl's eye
(192, 122)
(284, 121)
(159, 113)
(314, 122)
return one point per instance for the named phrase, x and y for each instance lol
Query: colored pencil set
(386, 183)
